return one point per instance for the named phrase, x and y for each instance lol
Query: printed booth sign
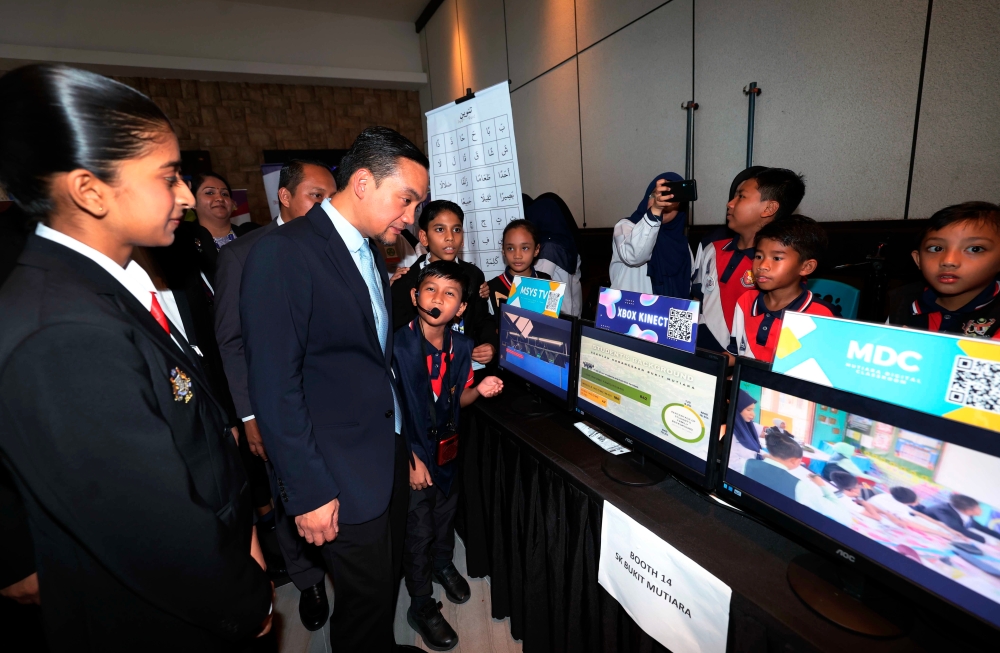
(672, 598)
(664, 320)
(537, 295)
(944, 375)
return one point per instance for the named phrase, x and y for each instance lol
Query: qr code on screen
(974, 384)
(679, 325)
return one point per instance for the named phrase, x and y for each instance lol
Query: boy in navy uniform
(959, 256)
(786, 252)
(436, 377)
(722, 266)
(441, 233)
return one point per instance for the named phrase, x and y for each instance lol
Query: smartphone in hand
(682, 191)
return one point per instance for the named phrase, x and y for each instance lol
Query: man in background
(301, 185)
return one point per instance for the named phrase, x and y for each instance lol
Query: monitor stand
(529, 405)
(632, 469)
(834, 592)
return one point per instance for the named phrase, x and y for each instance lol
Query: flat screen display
(536, 348)
(666, 399)
(915, 494)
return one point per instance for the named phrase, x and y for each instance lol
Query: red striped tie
(158, 313)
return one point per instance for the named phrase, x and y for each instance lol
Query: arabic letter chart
(474, 164)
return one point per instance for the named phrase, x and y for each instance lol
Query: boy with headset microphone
(435, 364)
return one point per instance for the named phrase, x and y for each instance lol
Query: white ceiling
(404, 10)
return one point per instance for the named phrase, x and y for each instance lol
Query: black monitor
(662, 402)
(910, 499)
(538, 349)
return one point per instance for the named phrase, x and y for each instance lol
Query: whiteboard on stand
(474, 164)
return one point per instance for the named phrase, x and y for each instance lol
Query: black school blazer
(138, 503)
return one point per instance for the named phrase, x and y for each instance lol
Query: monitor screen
(917, 495)
(536, 348)
(664, 398)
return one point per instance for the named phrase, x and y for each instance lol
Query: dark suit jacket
(320, 385)
(228, 333)
(947, 515)
(137, 499)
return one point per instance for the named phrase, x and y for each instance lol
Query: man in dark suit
(959, 515)
(317, 327)
(180, 573)
(301, 185)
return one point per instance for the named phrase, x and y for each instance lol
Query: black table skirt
(530, 516)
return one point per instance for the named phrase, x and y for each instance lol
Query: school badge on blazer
(182, 385)
(747, 279)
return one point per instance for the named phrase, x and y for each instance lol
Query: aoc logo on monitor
(884, 356)
(845, 555)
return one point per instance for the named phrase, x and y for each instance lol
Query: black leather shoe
(437, 633)
(314, 609)
(455, 587)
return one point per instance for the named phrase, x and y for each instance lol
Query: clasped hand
(320, 525)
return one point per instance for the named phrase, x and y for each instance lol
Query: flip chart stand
(835, 592)
(465, 98)
(632, 469)
(690, 106)
(752, 91)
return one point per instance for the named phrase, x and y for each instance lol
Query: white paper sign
(601, 440)
(474, 164)
(674, 600)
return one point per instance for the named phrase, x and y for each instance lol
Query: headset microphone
(434, 312)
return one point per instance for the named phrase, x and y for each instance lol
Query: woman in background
(746, 440)
(650, 253)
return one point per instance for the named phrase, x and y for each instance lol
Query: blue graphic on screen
(536, 347)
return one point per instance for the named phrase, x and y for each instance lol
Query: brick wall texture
(236, 121)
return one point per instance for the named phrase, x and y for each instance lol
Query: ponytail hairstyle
(56, 119)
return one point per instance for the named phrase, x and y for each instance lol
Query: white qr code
(975, 383)
(679, 324)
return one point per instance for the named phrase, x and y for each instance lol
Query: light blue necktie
(371, 276)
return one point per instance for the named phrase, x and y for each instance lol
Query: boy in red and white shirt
(786, 252)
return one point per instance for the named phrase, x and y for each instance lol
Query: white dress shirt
(354, 241)
(132, 277)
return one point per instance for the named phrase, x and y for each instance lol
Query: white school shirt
(631, 250)
(132, 277)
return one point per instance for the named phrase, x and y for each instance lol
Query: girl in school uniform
(650, 253)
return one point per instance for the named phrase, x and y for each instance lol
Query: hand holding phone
(685, 190)
(661, 202)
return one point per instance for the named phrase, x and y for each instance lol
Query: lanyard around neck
(445, 384)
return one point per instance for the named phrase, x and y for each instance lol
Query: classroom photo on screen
(933, 502)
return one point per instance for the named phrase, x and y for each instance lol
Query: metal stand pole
(752, 91)
(690, 106)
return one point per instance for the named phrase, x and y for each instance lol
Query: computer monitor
(662, 403)
(909, 498)
(538, 349)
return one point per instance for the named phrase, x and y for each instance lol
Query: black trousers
(430, 537)
(303, 561)
(363, 564)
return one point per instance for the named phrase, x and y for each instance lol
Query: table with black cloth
(530, 517)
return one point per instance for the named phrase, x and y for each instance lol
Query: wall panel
(444, 57)
(839, 84)
(958, 142)
(632, 86)
(540, 34)
(547, 129)
(484, 42)
(595, 19)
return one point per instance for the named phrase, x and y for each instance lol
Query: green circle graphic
(663, 418)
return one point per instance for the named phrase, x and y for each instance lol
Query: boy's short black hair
(294, 170)
(903, 494)
(378, 149)
(843, 480)
(781, 444)
(445, 270)
(782, 186)
(521, 224)
(801, 233)
(961, 502)
(433, 209)
(983, 213)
